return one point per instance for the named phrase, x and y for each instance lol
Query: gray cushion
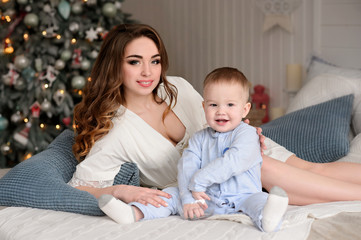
(317, 133)
(41, 181)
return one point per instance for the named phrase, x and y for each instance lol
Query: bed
(64, 218)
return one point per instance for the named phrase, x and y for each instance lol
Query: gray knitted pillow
(41, 181)
(317, 133)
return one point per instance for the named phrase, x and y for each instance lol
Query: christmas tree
(47, 48)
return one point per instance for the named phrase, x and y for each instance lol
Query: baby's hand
(192, 211)
(200, 198)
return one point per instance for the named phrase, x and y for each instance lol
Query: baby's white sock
(274, 209)
(116, 209)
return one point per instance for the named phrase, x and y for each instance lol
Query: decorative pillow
(326, 87)
(41, 181)
(318, 133)
(355, 151)
(319, 66)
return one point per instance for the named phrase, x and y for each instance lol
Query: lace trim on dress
(75, 182)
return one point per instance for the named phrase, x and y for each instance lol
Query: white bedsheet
(27, 223)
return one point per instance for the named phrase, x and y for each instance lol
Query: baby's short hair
(227, 75)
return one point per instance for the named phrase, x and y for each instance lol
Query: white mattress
(26, 223)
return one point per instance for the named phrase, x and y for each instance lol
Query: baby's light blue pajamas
(227, 166)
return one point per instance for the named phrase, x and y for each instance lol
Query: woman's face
(141, 67)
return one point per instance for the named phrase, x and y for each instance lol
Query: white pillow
(326, 87)
(319, 66)
(355, 151)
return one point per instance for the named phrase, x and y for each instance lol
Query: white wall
(338, 31)
(201, 35)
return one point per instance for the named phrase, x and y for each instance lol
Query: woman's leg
(304, 186)
(344, 171)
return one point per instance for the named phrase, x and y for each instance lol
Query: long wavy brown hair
(104, 93)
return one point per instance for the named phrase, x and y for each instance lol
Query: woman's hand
(261, 137)
(128, 193)
(143, 195)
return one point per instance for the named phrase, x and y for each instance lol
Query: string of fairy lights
(47, 48)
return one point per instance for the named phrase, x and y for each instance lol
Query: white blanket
(27, 223)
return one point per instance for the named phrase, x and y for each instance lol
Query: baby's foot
(274, 209)
(116, 209)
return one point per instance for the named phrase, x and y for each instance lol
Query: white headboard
(337, 31)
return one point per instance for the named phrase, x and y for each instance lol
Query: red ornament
(77, 58)
(66, 121)
(260, 100)
(35, 109)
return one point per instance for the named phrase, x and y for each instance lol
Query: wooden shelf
(255, 117)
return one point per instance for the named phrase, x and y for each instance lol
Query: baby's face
(225, 105)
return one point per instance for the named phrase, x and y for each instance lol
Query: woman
(132, 112)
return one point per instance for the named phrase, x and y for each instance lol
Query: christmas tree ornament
(99, 29)
(10, 78)
(118, 5)
(59, 64)
(35, 109)
(74, 27)
(5, 149)
(109, 10)
(49, 32)
(22, 136)
(91, 2)
(65, 55)
(16, 117)
(31, 20)
(66, 121)
(7, 80)
(59, 96)
(64, 9)
(101, 32)
(77, 8)
(85, 64)
(4, 123)
(22, 2)
(76, 58)
(28, 8)
(48, 9)
(93, 54)
(78, 82)
(38, 64)
(50, 74)
(20, 84)
(45, 105)
(91, 34)
(21, 62)
(28, 74)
